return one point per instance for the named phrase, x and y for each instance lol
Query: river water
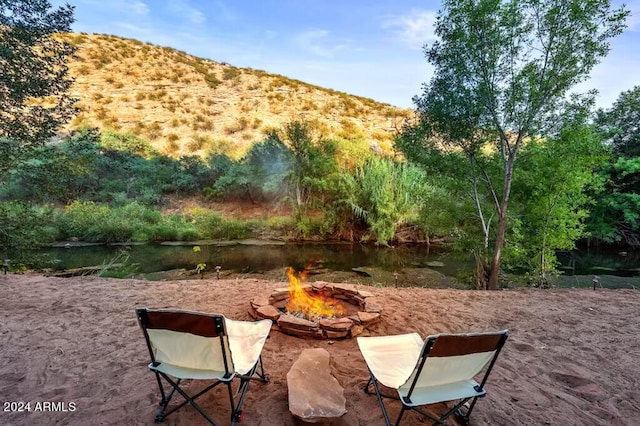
(263, 258)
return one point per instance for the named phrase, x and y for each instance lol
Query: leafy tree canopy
(503, 70)
(34, 80)
(621, 123)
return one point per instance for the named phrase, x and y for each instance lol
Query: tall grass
(133, 222)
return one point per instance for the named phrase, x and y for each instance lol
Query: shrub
(139, 128)
(241, 124)
(101, 113)
(24, 227)
(157, 94)
(207, 125)
(89, 221)
(83, 70)
(78, 39)
(198, 142)
(211, 80)
(212, 225)
(172, 147)
(154, 131)
(230, 73)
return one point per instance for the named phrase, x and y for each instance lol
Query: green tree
(34, 81)
(312, 165)
(621, 124)
(502, 70)
(193, 174)
(616, 214)
(232, 179)
(550, 196)
(24, 227)
(465, 175)
(386, 195)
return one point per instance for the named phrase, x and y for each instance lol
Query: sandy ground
(573, 357)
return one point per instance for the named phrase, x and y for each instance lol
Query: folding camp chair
(440, 369)
(195, 345)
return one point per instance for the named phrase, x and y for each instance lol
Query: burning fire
(311, 306)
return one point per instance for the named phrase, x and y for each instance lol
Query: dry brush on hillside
(186, 105)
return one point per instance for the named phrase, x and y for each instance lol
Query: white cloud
(413, 29)
(184, 9)
(225, 12)
(131, 27)
(136, 7)
(317, 42)
(140, 8)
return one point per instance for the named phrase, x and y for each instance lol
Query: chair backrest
(451, 358)
(187, 339)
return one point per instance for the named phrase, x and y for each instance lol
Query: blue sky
(370, 48)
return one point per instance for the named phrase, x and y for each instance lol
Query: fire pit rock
(366, 311)
(315, 396)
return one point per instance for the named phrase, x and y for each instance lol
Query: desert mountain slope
(186, 105)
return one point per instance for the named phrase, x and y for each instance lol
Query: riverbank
(571, 357)
(408, 265)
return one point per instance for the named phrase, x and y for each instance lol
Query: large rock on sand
(315, 396)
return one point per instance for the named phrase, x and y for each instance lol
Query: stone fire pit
(363, 309)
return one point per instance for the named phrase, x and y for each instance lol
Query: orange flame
(311, 306)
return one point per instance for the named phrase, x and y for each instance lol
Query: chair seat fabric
(189, 373)
(187, 350)
(432, 394)
(391, 359)
(246, 340)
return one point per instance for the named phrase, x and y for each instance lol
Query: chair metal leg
(442, 420)
(379, 395)
(402, 410)
(264, 377)
(243, 386)
(162, 394)
(463, 416)
(235, 410)
(164, 402)
(437, 421)
(188, 400)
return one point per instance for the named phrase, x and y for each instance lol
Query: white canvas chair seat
(391, 359)
(448, 392)
(441, 368)
(200, 346)
(189, 373)
(246, 340)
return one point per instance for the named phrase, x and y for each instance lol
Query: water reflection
(261, 258)
(403, 265)
(250, 258)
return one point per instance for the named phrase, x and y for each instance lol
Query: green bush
(212, 225)
(24, 227)
(93, 222)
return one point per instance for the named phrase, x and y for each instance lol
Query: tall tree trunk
(494, 272)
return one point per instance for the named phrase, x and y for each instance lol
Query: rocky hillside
(188, 105)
